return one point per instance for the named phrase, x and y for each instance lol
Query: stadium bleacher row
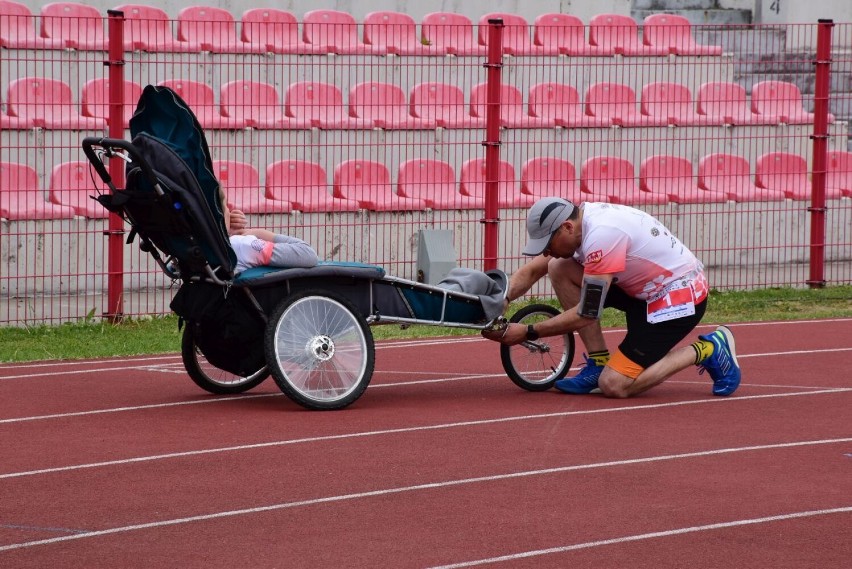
(42, 102)
(233, 104)
(432, 184)
(69, 25)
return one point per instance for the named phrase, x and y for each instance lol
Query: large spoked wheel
(320, 350)
(537, 365)
(209, 377)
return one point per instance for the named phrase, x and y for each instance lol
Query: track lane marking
(61, 373)
(372, 386)
(421, 487)
(644, 536)
(389, 344)
(401, 430)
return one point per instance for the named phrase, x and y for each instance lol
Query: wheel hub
(320, 347)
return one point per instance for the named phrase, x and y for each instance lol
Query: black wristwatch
(531, 333)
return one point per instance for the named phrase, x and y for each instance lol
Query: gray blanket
(491, 287)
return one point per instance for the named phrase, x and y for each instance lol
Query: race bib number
(676, 303)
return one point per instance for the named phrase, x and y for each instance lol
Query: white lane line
(401, 430)
(644, 536)
(419, 487)
(372, 386)
(153, 364)
(218, 399)
(390, 344)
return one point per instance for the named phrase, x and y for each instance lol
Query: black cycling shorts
(646, 343)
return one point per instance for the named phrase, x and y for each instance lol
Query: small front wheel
(320, 350)
(537, 365)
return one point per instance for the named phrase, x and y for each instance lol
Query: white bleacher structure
(329, 119)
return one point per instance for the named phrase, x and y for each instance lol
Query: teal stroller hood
(167, 135)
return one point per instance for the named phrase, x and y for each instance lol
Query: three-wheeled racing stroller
(309, 328)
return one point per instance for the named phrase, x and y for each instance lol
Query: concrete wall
(801, 11)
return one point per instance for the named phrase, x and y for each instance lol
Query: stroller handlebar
(109, 145)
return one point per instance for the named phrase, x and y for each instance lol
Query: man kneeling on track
(601, 255)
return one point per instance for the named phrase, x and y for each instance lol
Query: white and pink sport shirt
(645, 257)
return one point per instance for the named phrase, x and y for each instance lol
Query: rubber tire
(316, 351)
(512, 356)
(210, 378)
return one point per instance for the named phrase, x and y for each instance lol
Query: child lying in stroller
(260, 247)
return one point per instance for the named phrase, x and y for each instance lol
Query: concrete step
(743, 41)
(716, 17)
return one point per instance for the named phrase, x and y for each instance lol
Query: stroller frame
(316, 337)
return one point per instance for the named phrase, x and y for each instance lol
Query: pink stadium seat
(241, 184)
(450, 34)
(18, 30)
(618, 34)
(433, 181)
(393, 33)
(666, 103)
(549, 176)
(839, 171)
(72, 184)
(14, 123)
(516, 34)
(46, 103)
(21, 197)
(319, 105)
(305, 186)
(211, 29)
(383, 106)
(77, 26)
(672, 176)
(272, 30)
(201, 100)
(333, 31)
(472, 183)
(95, 97)
(512, 113)
(780, 102)
(148, 28)
(730, 175)
(613, 104)
(788, 173)
(562, 34)
(255, 104)
(612, 179)
(673, 33)
(442, 105)
(723, 102)
(368, 183)
(558, 104)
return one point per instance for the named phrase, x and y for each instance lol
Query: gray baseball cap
(544, 218)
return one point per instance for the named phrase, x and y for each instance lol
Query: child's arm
(292, 252)
(259, 233)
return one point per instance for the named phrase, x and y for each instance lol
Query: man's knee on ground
(619, 375)
(614, 385)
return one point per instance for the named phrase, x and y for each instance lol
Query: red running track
(442, 463)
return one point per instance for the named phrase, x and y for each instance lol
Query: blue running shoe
(584, 382)
(722, 364)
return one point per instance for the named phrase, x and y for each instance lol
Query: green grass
(160, 335)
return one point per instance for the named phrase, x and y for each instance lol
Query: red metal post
(820, 152)
(115, 233)
(494, 67)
